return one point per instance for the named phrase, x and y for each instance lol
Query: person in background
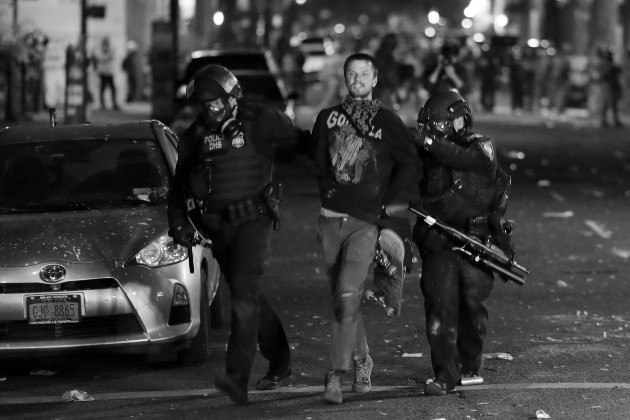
(389, 68)
(614, 80)
(103, 59)
(446, 73)
(223, 189)
(364, 156)
(130, 66)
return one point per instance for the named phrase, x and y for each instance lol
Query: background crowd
(494, 78)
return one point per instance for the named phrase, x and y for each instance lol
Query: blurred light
(479, 37)
(475, 7)
(325, 14)
(329, 46)
(187, 8)
(442, 21)
(551, 51)
(363, 19)
(433, 17)
(467, 23)
(430, 32)
(294, 41)
(501, 20)
(533, 43)
(339, 28)
(218, 18)
(544, 43)
(300, 2)
(276, 20)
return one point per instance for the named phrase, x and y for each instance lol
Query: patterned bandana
(361, 113)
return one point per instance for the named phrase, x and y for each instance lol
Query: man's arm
(278, 128)
(407, 163)
(177, 197)
(477, 156)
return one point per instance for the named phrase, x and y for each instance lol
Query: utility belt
(236, 213)
(245, 210)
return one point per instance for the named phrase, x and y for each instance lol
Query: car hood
(78, 237)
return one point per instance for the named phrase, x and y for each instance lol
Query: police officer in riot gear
(461, 186)
(223, 190)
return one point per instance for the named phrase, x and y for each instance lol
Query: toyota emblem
(52, 273)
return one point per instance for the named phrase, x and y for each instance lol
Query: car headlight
(162, 251)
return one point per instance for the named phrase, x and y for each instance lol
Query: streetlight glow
(218, 18)
(433, 16)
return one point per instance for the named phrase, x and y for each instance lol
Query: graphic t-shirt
(362, 167)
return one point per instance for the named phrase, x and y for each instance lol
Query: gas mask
(220, 114)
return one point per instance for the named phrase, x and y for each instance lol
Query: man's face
(360, 79)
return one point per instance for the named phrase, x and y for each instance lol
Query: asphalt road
(566, 332)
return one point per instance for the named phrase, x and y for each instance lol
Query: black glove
(183, 235)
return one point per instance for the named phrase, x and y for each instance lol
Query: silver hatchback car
(85, 257)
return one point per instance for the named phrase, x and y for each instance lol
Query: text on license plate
(53, 309)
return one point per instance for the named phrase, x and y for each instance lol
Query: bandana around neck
(361, 113)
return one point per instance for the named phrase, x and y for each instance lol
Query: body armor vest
(237, 172)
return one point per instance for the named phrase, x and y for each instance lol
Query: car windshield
(84, 174)
(234, 62)
(259, 89)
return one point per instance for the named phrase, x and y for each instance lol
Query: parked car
(255, 68)
(316, 52)
(85, 258)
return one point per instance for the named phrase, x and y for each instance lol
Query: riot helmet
(213, 82)
(218, 90)
(440, 114)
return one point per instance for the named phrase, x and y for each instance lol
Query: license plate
(53, 309)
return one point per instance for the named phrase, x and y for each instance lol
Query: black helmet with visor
(437, 116)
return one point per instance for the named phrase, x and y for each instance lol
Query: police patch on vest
(214, 141)
(238, 141)
(488, 149)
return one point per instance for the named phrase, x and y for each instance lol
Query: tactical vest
(237, 172)
(455, 196)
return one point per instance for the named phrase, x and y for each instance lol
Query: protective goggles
(215, 106)
(436, 128)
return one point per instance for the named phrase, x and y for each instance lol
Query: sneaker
(273, 381)
(229, 385)
(332, 388)
(362, 372)
(435, 388)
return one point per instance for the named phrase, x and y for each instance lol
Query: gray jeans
(349, 245)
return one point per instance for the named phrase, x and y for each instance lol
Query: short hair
(360, 57)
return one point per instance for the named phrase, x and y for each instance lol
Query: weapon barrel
(486, 252)
(507, 273)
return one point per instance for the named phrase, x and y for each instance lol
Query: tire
(200, 345)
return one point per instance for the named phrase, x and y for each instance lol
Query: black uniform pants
(455, 293)
(241, 252)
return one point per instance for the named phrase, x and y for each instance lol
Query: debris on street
(598, 228)
(542, 415)
(412, 355)
(497, 356)
(623, 253)
(44, 372)
(76, 395)
(559, 214)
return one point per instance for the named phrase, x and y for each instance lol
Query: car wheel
(200, 346)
